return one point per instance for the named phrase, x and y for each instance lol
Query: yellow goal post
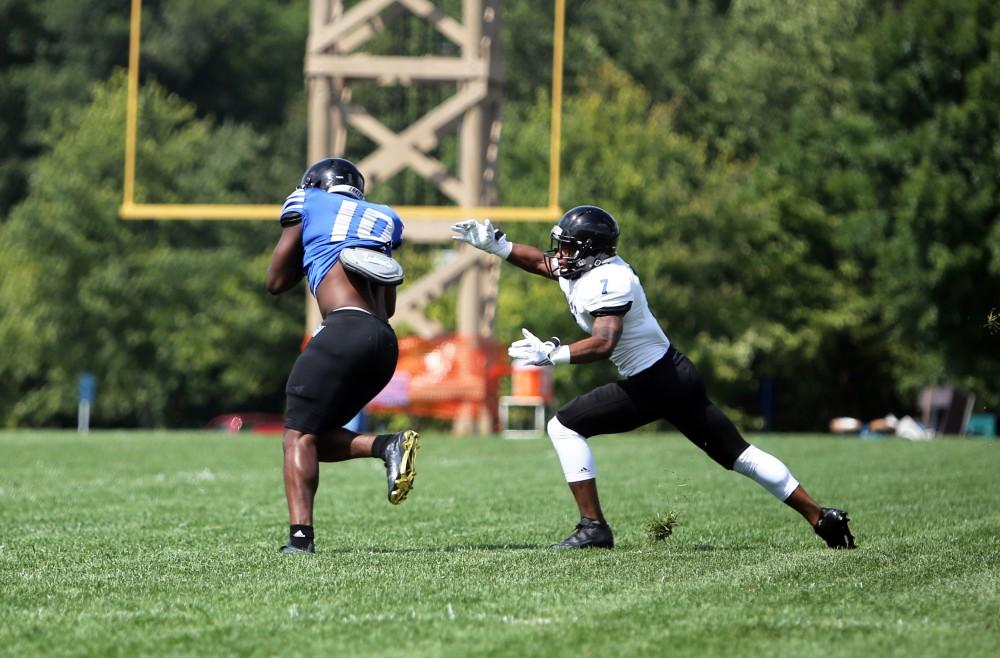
(130, 210)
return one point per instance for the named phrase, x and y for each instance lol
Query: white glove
(483, 235)
(533, 352)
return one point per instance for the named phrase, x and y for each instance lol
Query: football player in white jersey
(608, 302)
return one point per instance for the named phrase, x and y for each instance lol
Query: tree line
(808, 190)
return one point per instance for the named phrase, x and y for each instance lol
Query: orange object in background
(531, 381)
(450, 378)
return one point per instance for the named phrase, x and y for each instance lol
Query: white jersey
(614, 285)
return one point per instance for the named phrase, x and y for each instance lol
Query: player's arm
(485, 236)
(285, 269)
(607, 300)
(606, 332)
(604, 337)
(530, 259)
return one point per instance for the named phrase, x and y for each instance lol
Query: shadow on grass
(547, 547)
(438, 549)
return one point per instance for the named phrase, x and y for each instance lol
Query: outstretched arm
(285, 269)
(530, 259)
(485, 236)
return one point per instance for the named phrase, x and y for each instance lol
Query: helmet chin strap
(584, 264)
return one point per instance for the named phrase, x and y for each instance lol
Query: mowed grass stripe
(164, 544)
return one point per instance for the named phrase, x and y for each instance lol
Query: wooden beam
(394, 70)
(424, 133)
(404, 154)
(442, 22)
(327, 35)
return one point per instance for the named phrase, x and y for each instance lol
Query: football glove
(531, 350)
(482, 235)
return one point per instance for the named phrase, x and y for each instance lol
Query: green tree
(934, 87)
(171, 317)
(50, 54)
(243, 65)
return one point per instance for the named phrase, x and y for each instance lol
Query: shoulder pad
(373, 265)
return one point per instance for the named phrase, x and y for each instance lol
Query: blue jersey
(332, 222)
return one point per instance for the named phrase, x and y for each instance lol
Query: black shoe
(589, 534)
(832, 527)
(399, 455)
(289, 549)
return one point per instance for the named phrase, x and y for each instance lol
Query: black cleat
(588, 534)
(832, 527)
(399, 455)
(291, 550)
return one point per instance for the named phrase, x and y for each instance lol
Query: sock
(300, 536)
(378, 446)
(574, 452)
(766, 470)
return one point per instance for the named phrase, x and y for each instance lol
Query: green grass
(131, 543)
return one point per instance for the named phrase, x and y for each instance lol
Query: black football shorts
(343, 367)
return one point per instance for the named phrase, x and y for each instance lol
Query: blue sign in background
(87, 387)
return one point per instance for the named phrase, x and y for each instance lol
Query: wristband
(559, 355)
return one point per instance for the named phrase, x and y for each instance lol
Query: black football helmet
(587, 236)
(335, 175)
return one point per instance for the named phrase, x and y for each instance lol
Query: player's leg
(343, 367)
(366, 350)
(303, 451)
(397, 451)
(304, 414)
(579, 469)
(708, 427)
(339, 445)
(605, 410)
(301, 475)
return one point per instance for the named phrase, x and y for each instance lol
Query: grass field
(125, 544)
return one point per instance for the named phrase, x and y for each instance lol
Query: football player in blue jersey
(343, 245)
(608, 302)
